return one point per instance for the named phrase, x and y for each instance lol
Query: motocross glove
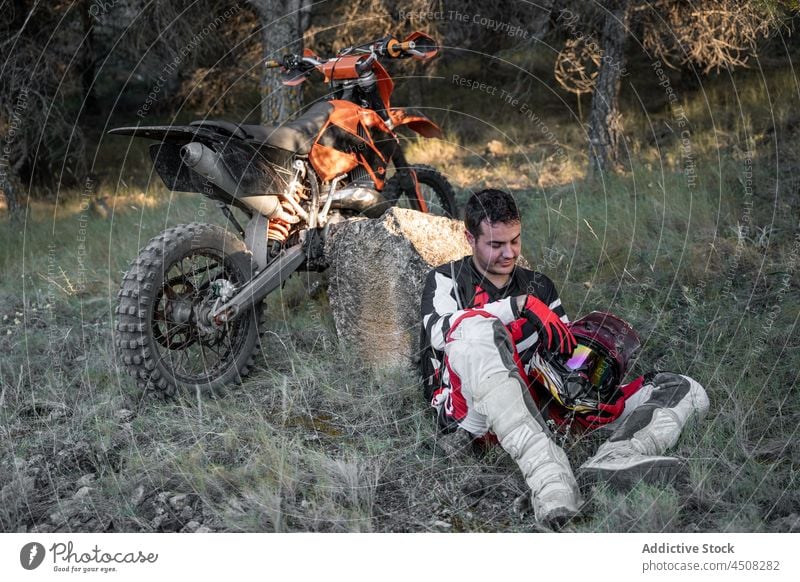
(553, 334)
(610, 411)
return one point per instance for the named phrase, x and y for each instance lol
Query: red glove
(554, 335)
(612, 410)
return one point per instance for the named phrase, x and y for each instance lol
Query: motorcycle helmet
(593, 372)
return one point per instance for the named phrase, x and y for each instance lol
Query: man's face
(495, 250)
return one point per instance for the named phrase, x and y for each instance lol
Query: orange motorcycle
(191, 303)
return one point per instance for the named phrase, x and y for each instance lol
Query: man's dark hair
(492, 205)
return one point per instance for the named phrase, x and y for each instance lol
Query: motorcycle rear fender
(166, 156)
(415, 121)
(177, 176)
(179, 133)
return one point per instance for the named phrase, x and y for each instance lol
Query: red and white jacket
(455, 290)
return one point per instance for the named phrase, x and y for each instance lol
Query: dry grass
(314, 441)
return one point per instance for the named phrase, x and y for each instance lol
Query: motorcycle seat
(297, 135)
(226, 127)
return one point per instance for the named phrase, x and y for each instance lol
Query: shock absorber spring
(279, 228)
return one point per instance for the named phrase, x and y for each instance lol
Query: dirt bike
(190, 305)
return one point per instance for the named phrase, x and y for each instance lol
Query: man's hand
(554, 335)
(609, 412)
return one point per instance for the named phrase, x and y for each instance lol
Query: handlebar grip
(395, 48)
(272, 64)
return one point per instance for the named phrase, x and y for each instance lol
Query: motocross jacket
(454, 289)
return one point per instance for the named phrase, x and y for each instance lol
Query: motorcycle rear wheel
(436, 190)
(163, 336)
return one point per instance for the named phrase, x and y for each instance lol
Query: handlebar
(293, 62)
(407, 46)
(387, 46)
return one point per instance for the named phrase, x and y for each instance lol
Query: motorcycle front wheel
(434, 187)
(164, 337)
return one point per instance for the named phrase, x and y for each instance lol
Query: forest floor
(697, 244)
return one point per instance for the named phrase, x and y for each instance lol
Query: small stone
(156, 522)
(82, 492)
(123, 415)
(495, 147)
(455, 443)
(86, 480)
(442, 524)
(191, 527)
(522, 505)
(58, 517)
(57, 412)
(203, 529)
(138, 495)
(179, 502)
(187, 513)
(475, 488)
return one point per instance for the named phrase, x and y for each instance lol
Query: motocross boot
(514, 419)
(634, 453)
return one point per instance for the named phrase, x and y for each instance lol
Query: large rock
(377, 271)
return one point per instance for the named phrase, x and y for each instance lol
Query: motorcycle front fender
(415, 121)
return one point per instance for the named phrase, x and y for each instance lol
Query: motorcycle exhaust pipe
(366, 201)
(210, 166)
(286, 263)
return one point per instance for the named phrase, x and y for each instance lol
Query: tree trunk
(10, 184)
(540, 22)
(538, 28)
(283, 23)
(13, 144)
(89, 63)
(605, 121)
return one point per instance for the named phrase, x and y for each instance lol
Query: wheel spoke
(193, 356)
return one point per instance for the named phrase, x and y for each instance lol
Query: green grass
(315, 441)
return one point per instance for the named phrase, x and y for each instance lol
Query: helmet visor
(591, 364)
